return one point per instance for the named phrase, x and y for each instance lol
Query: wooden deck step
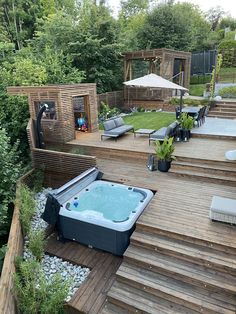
(224, 109)
(207, 162)
(188, 251)
(135, 300)
(185, 271)
(226, 170)
(215, 178)
(110, 308)
(190, 296)
(183, 233)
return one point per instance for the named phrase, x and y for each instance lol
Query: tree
(180, 26)
(133, 7)
(214, 16)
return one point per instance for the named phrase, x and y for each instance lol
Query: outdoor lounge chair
(223, 209)
(165, 132)
(115, 127)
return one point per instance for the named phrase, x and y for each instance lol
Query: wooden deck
(178, 260)
(202, 148)
(91, 295)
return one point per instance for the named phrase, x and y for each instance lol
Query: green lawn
(150, 120)
(196, 89)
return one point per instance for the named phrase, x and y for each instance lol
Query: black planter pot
(163, 165)
(185, 135)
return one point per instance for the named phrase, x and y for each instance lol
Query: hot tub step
(134, 300)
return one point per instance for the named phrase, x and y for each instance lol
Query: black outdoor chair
(200, 118)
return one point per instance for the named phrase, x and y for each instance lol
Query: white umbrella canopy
(154, 81)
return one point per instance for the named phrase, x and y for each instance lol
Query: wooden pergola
(161, 62)
(164, 62)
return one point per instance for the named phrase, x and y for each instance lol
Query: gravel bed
(52, 265)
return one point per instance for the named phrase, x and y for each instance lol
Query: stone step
(189, 251)
(210, 115)
(222, 113)
(172, 290)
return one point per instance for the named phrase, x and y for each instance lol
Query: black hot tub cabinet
(90, 227)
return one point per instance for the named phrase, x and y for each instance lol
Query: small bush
(228, 92)
(37, 243)
(106, 112)
(200, 79)
(35, 294)
(3, 251)
(27, 207)
(189, 102)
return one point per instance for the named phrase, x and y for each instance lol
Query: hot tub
(101, 214)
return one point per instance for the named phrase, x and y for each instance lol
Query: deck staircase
(164, 274)
(226, 110)
(223, 172)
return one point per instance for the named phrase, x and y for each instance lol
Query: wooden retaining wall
(60, 167)
(15, 247)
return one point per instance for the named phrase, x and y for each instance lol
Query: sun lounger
(115, 127)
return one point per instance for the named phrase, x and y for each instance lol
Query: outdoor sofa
(115, 127)
(165, 132)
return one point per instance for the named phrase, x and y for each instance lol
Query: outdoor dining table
(192, 111)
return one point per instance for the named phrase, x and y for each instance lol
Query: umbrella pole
(181, 100)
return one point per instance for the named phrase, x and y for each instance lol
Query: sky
(228, 5)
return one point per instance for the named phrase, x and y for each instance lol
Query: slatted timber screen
(31, 133)
(113, 99)
(59, 167)
(15, 247)
(62, 128)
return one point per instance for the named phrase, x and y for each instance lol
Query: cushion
(173, 125)
(169, 129)
(223, 205)
(119, 121)
(120, 130)
(159, 135)
(109, 125)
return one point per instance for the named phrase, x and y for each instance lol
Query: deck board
(91, 295)
(202, 148)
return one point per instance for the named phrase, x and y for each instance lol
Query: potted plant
(186, 123)
(164, 152)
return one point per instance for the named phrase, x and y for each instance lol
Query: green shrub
(165, 149)
(186, 121)
(35, 294)
(200, 79)
(3, 251)
(228, 92)
(27, 207)
(10, 169)
(106, 112)
(189, 102)
(37, 243)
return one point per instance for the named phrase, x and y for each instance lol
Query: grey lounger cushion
(160, 134)
(223, 209)
(109, 125)
(119, 122)
(120, 130)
